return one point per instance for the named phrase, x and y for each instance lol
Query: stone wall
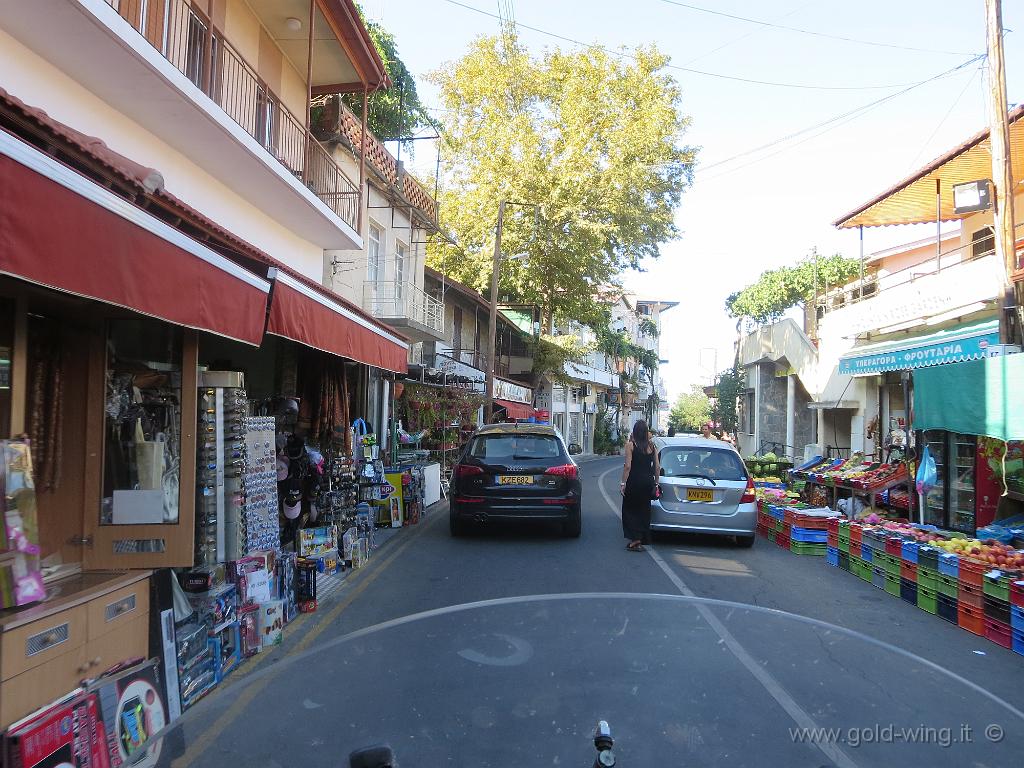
(772, 415)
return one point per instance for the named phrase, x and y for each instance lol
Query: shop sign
(516, 393)
(454, 367)
(919, 356)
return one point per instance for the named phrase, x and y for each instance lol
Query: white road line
(771, 685)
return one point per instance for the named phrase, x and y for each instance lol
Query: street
(526, 681)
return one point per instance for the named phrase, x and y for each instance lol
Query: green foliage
(604, 443)
(590, 140)
(691, 410)
(776, 290)
(728, 387)
(648, 327)
(396, 112)
(551, 353)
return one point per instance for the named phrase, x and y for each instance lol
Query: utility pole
(1002, 173)
(493, 322)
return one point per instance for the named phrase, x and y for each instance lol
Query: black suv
(516, 472)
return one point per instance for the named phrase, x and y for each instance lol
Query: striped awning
(912, 200)
(953, 345)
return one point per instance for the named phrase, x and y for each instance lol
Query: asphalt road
(521, 680)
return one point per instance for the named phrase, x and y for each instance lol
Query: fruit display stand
(876, 484)
(977, 585)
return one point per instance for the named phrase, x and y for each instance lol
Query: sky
(750, 211)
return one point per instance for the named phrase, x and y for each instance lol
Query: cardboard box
(348, 541)
(133, 707)
(67, 733)
(271, 619)
(249, 630)
(317, 541)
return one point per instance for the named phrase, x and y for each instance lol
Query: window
(983, 242)
(748, 412)
(714, 463)
(373, 254)
(401, 251)
(515, 447)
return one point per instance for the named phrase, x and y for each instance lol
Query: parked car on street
(516, 472)
(705, 488)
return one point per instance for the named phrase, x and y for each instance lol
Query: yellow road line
(211, 734)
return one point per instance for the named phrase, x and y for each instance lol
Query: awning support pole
(861, 290)
(938, 225)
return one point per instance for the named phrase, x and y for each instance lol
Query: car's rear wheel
(456, 526)
(745, 541)
(573, 526)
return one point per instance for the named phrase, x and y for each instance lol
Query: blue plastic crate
(832, 556)
(867, 554)
(1017, 617)
(776, 511)
(949, 564)
(910, 551)
(764, 484)
(808, 535)
(1018, 641)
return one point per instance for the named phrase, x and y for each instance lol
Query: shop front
(188, 454)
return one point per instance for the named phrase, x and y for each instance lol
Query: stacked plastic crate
(807, 530)
(995, 589)
(1017, 615)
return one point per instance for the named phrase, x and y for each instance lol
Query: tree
(590, 140)
(728, 387)
(396, 112)
(776, 290)
(691, 410)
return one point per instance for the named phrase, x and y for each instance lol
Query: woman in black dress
(639, 479)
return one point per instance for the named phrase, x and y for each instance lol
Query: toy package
(65, 734)
(348, 541)
(249, 630)
(271, 616)
(21, 580)
(317, 541)
(133, 708)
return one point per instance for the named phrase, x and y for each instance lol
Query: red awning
(309, 316)
(515, 410)
(61, 230)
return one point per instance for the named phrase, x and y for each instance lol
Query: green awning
(951, 345)
(979, 397)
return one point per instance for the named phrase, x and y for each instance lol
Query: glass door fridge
(951, 504)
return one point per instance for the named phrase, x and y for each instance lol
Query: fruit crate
(1018, 641)
(856, 566)
(856, 534)
(972, 572)
(875, 539)
(970, 618)
(832, 540)
(868, 555)
(808, 535)
(999, 586)
(947, 608)
(997, 610)
(908, 571)
(782, 540)
(947, 585)
(1017, 617)
(760, 530)
(999, 633)
(832, 556)
(803, 548)
(928, 557)
(949, 564)
(844, 561)
(834, 524)
(909, 552)
(878, 577)
(844, 546)
(1017, 592)
(892, 565)
(892, 584)
(927, 600)
(894, 546)
(908, 591)
(800, 520)
(927, 577)
(971, 595)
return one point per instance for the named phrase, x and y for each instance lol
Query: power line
(853, 113)
(826, 35)
(942, 122)
(744, 36)
(677, 67)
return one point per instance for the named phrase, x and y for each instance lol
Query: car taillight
(749, 497)
(467, 470)
(568, 471)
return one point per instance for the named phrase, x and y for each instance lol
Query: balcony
(167, 67)
(405, 307)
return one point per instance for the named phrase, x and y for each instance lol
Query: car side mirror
(575, 449)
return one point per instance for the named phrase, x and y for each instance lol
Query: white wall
(38, 83)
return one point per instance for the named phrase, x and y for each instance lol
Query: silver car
(705, 488)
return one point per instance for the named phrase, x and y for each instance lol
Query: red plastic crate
(856, 534)
(782, 540)
(908, 571)
(894, 546)
(833, 525)
(999, 633)
(972, 572)
(793, 517)
(1017, 593)
(972, 596)
(970, 618)
(832, 540)
(787, 529)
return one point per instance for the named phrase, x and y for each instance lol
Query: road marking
(211, 734)
(770, 684)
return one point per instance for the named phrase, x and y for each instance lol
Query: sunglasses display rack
(260, 518)
(220, 465)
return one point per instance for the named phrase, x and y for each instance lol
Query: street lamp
(493, 326)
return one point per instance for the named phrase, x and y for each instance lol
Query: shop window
(748, 412)
(983, 242)
(375, 238)
(401, 251)
(6, 356)
(142, 407)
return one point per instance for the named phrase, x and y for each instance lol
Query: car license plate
(700, 494)
(516, 480)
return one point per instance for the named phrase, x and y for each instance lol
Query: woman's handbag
(656, 490)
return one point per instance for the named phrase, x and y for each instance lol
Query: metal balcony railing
(393, 299)
(188, 41)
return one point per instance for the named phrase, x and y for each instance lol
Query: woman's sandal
(635, 546)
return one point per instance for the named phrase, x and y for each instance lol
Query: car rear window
(519, 447)
(718, 464)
